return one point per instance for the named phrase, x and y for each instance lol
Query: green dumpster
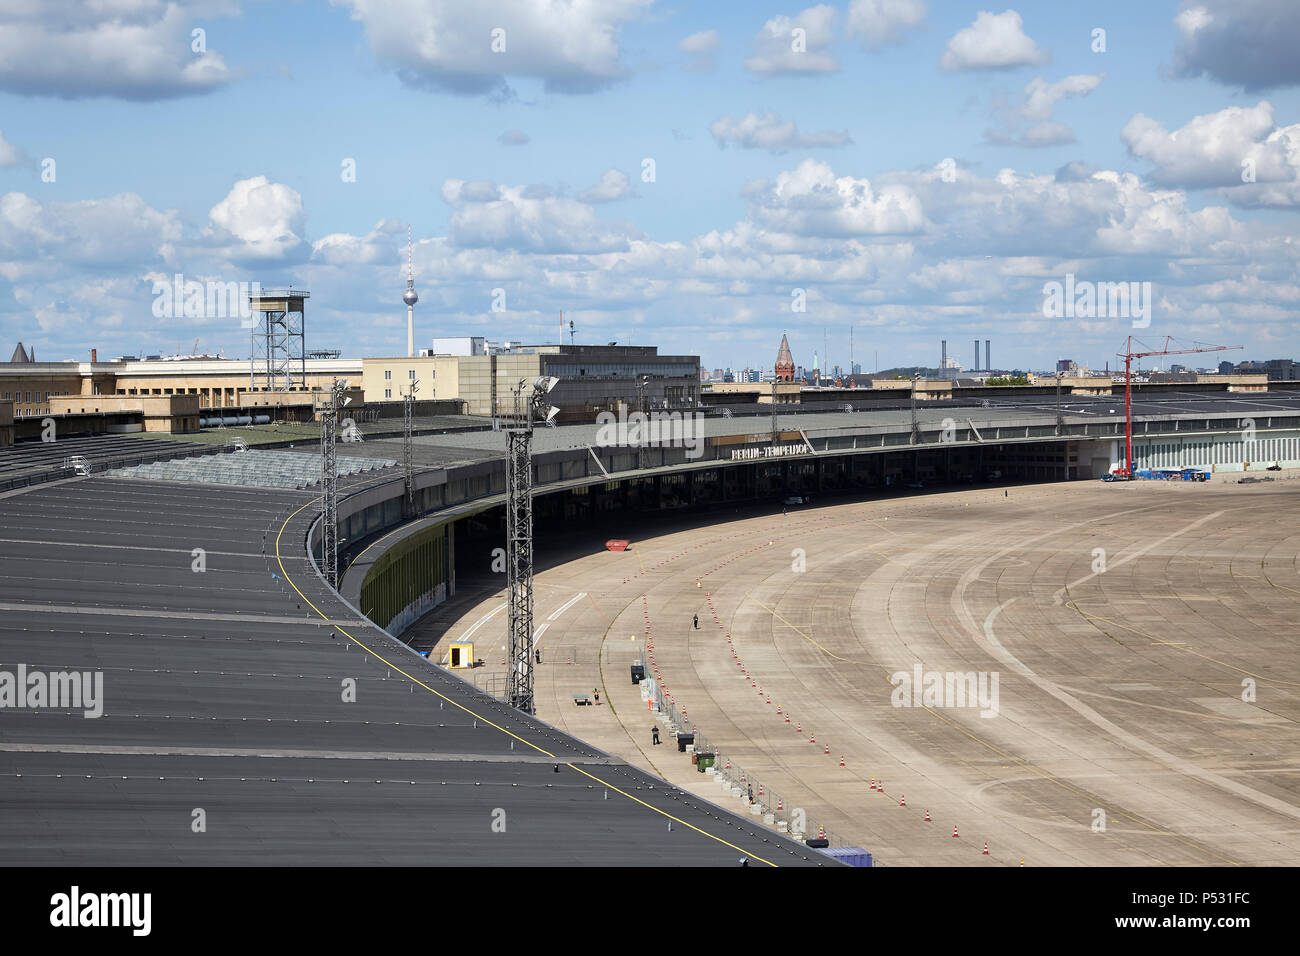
(703, 762)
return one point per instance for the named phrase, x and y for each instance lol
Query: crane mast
(1128, 355)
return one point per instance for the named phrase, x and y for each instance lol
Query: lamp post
(529, 401)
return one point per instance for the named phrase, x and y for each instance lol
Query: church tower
(784, 363)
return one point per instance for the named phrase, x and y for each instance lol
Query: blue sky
(150, 152)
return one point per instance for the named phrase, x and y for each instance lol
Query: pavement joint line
(1010, 757)
(1180, 646)
(124, 547)
(958, 597)
(600, 666)
(1133, 555)
(130, 751)
(25, 608)
(1152, 750)
(490, 723)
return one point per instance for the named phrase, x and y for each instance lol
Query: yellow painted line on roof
(280, 561)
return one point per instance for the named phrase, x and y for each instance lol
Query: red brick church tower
(784, 363)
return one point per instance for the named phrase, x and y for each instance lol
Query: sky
(698, 176)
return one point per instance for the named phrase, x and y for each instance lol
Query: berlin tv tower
(410, 298)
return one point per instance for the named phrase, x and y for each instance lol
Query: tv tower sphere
(410, 298)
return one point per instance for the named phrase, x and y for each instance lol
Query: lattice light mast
(408, 446)
(329, 482)
(529, 403)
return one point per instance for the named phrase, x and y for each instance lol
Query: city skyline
(725, 180)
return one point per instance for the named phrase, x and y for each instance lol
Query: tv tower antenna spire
(410, 298)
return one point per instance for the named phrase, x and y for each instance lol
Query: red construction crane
(1128, 355)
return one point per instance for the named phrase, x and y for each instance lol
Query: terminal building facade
(593, 378)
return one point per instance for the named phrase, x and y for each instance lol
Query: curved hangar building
(169, 644)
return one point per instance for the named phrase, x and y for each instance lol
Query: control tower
(277, 357)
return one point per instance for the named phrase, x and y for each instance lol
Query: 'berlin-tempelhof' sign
(769, 451)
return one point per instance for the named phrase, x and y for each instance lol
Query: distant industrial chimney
(943, 357)
(976, 366)
(988, 357)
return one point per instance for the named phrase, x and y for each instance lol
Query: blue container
(850, 855)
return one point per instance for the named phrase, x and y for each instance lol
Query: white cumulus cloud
(527, 219)
(811, 200)
(10, 155)
(1030, 122)
(614, 184)
(795, 45)
(992, 42)
(878, 23)
(473, 47)
(1245, 43)
(767, 130)
(129, 49)
(265, 218)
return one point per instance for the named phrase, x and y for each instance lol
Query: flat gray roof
(223, 689)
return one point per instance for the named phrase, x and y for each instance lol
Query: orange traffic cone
(954, 832)
(902, 799)
(986, 848)
(841, 760)
(927, 816)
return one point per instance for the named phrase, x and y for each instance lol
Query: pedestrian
(696, 619)
(595, 692)
(655, 732)
(751, 793)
